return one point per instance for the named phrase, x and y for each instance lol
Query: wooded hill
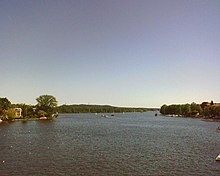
(82, 108)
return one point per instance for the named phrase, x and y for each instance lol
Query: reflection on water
(125, 144)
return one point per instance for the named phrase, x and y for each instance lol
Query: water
(125, 144)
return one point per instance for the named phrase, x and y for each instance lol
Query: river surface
(124, 144)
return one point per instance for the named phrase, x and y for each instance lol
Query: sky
(142, 53)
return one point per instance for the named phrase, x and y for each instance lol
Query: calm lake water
(126, 144)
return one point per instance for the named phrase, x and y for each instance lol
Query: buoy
(3, 161)
(218, 158)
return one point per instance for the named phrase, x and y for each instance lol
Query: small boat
(155, 114)
(218, 158)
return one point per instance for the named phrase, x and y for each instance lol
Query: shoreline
(173, 116)
(25, 120)
(193, 117)
(211, 120)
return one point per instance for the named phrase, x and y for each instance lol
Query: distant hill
(82, 108)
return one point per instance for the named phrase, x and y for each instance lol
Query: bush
(41, 113)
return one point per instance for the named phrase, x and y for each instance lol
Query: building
(18, 112)
(205, 104)
(216, 104)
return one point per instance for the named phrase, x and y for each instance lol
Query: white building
(18, 112)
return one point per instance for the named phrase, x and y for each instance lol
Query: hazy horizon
(142, 53)
(113, 105)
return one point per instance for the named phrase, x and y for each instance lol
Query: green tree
(218, 111)
(196, 108)
(4, 104)
(206, 112)
(213, 111)
(47, 103)
(8, 115)
(41, 113)
(186, 109)
(163, 109)
(178, 110)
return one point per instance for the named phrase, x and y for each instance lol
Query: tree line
(46, 107)
(96, 109)
(206, 110)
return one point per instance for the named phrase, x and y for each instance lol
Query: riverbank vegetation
(46, 108)
(205, 110)
(97, 109)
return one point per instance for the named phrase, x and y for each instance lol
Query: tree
(10, 114)
(7, 115)
(196, 108)
(47, 103)
(4, 104)
(178, 110)
(163, 109)
(186, 109)
(42, 113)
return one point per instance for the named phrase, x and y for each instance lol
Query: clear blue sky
(137, 53)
